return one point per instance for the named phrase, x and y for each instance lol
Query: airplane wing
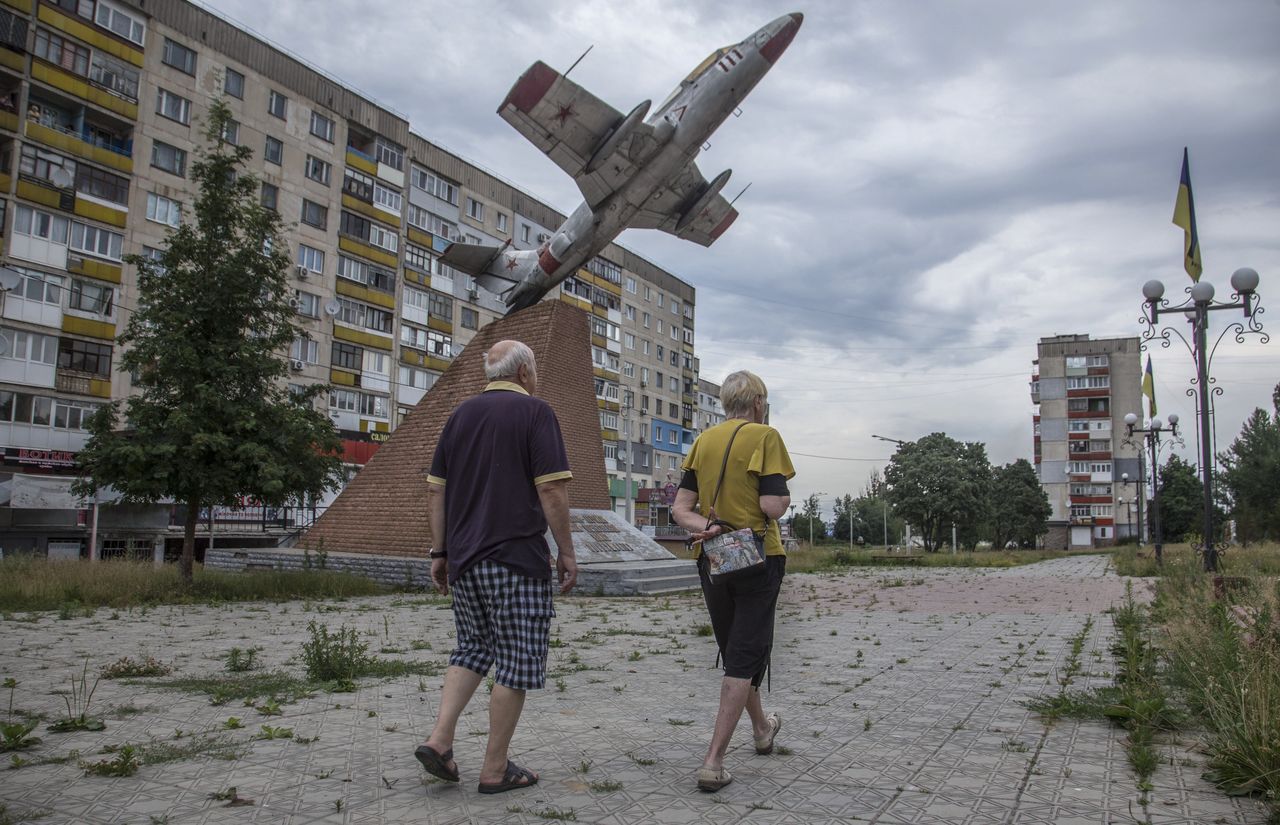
(569, 124)
(665, 211)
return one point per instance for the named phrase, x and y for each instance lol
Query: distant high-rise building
(1082, 390)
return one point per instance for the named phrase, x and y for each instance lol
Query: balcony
(88, 143)
(82, 383)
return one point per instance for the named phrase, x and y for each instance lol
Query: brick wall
(384, 508)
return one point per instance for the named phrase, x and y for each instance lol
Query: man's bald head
(511, 361)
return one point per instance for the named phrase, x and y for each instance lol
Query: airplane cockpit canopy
(693, 75)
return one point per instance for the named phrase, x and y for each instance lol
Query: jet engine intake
(614, 138)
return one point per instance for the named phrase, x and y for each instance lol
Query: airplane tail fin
(496, 268)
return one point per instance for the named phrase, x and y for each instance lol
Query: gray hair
(739, 391)
(505, 358)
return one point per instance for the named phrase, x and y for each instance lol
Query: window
(172, 106)
(661, 297)
(273, 152)
(501, 218)
(675, 334)
(311, 258)
(304, 349)
(646, 320)
(315, 214)
(345, 400)
(233, 83)
(628, 369)
(366, 230)
(435, 186)
(1098, 360)
(386, 197)
(675, 307)
(389, 153)
(373, 405)
(231, 132)
(367, 274)
(22, 408)
(179, 57)
(630, 312)
(376, 362)
(631, 285)
(1081, 426)
(93, 240)
(169, 158)
(441, 306)
(524, 233)
(43, 164)
(347, 356)
(648, 293)
(308, 304)
(358, 185)
(84, 356)
(116, 20)
(318, 170)
(475, 209)
(40, 287)
(322, 127)
(660, 351)
(628, 340)
(28, 221)
(62, 52)
(163, 210)
(28, 346)
(417, 257)
(91, 297)
(114, 75)
(470, 318)
(416, 378)
(431, 222)
(278, 104)
(362, 315)
(72, 415)
(270, 196)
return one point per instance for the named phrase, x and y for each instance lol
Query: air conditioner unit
(644, 384)
(473, 293)
(296, 365)
(295, 304)
(543, 237)
(303, 272)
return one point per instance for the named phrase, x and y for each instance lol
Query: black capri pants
(742, 611)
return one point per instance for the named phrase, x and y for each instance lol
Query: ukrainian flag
(1184, 215)
(1149, 388)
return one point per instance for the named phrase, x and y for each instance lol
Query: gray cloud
(934, 185)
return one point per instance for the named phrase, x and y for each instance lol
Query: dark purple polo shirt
(494, 450)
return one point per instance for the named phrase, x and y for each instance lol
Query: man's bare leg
(505, 706)
(459, 686)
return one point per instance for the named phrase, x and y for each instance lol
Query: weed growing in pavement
(125, 667)
(125, 763)
(77, 702)
(242, 661)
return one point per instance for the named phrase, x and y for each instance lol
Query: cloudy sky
(935, 186)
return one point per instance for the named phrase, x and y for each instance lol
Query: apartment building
(1082, 390)
(101, 106)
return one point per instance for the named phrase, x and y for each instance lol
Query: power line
(834, 457)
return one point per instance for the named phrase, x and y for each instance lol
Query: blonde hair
(739, 391)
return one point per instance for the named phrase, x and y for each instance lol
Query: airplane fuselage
(683, 123)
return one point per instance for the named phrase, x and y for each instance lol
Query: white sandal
(764, 744)
(711, 781)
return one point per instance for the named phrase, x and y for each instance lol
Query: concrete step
(655, 586)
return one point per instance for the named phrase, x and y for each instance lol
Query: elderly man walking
(499, 478)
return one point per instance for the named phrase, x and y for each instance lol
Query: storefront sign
(47, 459)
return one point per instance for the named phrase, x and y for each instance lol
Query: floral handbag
(734, 553)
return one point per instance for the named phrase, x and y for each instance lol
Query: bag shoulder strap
(724, 465)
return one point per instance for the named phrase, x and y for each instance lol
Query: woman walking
(736, 475)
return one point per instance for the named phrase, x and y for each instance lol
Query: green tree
(845, 516)
(808, 519)
(212, 420)
(936, 482)
(1182, 501)
(1020, 509)
(1251, 476)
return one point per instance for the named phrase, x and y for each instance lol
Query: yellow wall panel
(20, 5)
(342, 377)
(99, 212)
(372, 253)
(365, 339)
(95, 269)
(34, 192)
(100, 388)
(364, 293)
(93, 329)
(439, 324)
(61, 79)
(363, 164)
(369, 210)
(13, 60)
(78, 147)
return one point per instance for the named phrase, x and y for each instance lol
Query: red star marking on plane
(565, 113)
(512, 263)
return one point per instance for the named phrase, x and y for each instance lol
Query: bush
(335, 657)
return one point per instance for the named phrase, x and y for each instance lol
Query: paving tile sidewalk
(901, 690)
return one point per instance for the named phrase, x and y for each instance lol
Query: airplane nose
(777, 44)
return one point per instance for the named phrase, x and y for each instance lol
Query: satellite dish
(9, 278)
(61, 177)
(332, 307)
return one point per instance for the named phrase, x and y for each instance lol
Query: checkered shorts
(503, 617)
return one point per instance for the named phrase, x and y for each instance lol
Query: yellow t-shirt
(757, 451)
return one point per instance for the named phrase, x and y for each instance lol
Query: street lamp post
(1151, 435)
(1140, 492)
(1196, 309)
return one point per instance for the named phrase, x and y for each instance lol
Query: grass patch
(73, 587)
(1180, 559)
(236, 687)
(821, 559)
(125, 668)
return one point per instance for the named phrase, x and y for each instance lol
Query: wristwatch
(438, 554)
